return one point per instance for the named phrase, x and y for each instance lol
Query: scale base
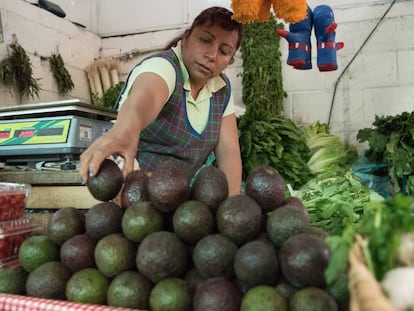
(31, 160)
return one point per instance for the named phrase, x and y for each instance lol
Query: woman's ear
(186, 34)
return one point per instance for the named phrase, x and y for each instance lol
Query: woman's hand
(117, 141)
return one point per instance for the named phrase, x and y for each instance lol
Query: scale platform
(50, 131)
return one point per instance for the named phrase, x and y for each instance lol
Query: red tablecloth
(25, 303)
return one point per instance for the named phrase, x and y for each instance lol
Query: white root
(399, 286)
(405, 255)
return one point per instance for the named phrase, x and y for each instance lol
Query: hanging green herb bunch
(17, 70)
(262, 70)
(60, 73)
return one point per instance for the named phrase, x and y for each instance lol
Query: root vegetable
(398, 284)
(405, 255)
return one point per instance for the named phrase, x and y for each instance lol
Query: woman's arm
(228, 153)
(145, 101)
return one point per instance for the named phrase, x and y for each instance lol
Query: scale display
(34, 132)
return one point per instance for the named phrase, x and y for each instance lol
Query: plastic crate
(13, 200)
(12, 235)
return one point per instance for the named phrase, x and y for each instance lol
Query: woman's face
(207, 51)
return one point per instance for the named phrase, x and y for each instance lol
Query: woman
(178, 104)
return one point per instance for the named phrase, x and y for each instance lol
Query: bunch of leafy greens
(273, 140)
(335, 202)
(329, 155)
(391, 141)
(382, 224)
(262, 70)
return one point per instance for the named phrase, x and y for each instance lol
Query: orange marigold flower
(291, 11)
(264, 12)
(246, 11)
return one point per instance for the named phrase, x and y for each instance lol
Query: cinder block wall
(41, 33)
(380, 80)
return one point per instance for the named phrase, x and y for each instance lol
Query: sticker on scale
(85, 132)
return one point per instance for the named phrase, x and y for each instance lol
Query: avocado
(77, 252)
(266, 186)
(217, 293)
(107, 183)
(37, 250)
(129, 289)
(210, 187)
(13, 280)
(171, 294)
(256, 263)
(114, 254)
(141, 219)
(312, 299)
(135, 188)
(48, 281)
(169, 185)
(160, 255)
(88, 286)
(192, 221)
(65, 223)
(297, 203)
(239, 218)
(213, 256)
(103, 219)
(283, 222)
(265, 298)
(303, 260)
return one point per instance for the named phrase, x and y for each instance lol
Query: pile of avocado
(171, 241)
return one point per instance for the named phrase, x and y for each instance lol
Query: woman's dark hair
(215, 15)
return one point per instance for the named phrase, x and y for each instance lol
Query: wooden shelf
(52, 189)
(41, 177)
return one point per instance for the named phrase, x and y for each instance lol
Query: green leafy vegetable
(329, 155)
(335, 202)
(262, 78)
(391, 141)
(273, 140)
(382, 224)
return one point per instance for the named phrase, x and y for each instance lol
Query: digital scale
(50, 131)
